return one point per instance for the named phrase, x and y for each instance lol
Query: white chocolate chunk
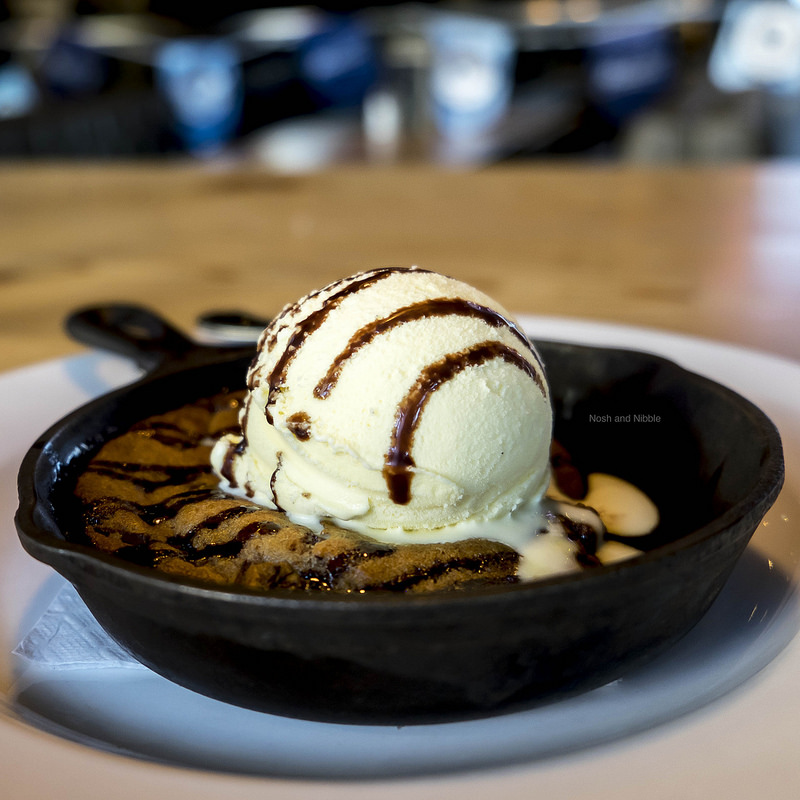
(611, 552)
(625, 510)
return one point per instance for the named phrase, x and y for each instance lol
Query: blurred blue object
(338, 62)
(630, 66)
(18, 92)
(758, 47)
(71, 69)
(471, 79)
(202, 81)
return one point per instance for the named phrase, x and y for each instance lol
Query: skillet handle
(131, 331)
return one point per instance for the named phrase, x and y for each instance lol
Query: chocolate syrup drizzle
(299, 424)
(500, 561)
(399, 462)
(184, 541)
(235, 448)
(439, 307)
(311, 323)
(169, 434)
(163, 474)
(272, 480)
(228, 463)
(141, 549)
(101, 510)
(585, 537)
(272, 332)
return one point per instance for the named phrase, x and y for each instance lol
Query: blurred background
(301, 87)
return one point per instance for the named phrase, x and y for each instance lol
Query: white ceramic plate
(716, 716)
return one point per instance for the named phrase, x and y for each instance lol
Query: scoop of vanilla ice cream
(395, 400)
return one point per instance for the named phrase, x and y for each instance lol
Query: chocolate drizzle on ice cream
(311, 323)
(399, 460)
(441, 306)
(300, 425)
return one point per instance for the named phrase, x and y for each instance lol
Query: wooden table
(710, 252)
(713, 252)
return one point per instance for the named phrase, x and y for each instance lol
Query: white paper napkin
(67, 636)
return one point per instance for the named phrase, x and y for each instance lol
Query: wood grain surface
(713, 252)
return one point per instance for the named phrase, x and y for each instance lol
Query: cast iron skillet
(710, 459)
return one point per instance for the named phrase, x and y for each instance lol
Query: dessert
(395, 435)
(139, 458)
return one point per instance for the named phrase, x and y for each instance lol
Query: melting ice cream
(402, 404)
(393, 400)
